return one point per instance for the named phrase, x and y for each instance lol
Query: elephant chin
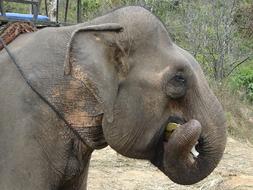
(176, 159)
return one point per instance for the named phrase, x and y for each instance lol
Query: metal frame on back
(34, 4)
(35, 11)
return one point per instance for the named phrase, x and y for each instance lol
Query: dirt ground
(111, 171)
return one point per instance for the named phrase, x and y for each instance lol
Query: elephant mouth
(174, 122)
(188, 152)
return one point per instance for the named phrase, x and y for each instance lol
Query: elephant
(117, 80)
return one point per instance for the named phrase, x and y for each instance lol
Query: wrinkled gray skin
(142, 80)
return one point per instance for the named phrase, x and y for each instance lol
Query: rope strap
(12, 30)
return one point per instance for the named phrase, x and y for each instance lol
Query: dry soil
(111, 171)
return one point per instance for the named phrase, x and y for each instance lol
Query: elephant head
(144, 81)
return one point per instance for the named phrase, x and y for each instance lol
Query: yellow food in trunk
(169, 129)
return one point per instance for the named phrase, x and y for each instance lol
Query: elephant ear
(95, 58)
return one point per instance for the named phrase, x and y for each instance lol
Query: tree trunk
(52, 10)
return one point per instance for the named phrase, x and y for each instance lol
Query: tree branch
(237, 65)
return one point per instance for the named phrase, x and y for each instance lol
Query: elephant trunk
(179, 164)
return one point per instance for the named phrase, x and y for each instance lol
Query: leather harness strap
(90, 129)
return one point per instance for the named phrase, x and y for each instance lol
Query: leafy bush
(242, 81)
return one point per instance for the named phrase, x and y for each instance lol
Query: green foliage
(89, 7)
(16, 7)
(242, 81)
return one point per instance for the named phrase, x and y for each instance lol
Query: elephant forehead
(138, 23)
(137, 16)
(141, 24)
(160, 60)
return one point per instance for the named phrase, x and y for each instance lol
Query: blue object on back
(18, 16)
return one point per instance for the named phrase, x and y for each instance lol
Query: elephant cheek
(115, 136)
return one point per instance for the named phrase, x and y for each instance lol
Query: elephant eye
(179, 79)
(175, 87)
